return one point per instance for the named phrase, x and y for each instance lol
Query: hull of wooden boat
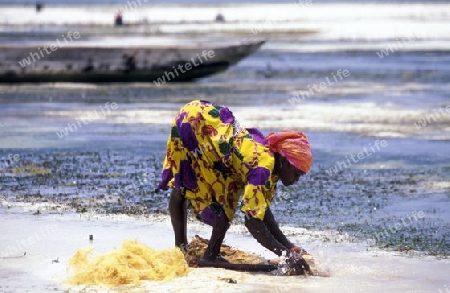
(86, 62)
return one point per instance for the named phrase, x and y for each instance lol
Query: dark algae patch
(395, 209)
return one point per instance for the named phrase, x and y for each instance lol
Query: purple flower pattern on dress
(257, 136)
(187, 175)
(166, 176)
(258, 176)
(180, 119)
(226, 116)
(177, 181)
(187, 136)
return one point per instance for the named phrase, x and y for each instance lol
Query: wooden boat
(155, 59)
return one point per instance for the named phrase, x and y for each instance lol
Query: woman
(211, 161)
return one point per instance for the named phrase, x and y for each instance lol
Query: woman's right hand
(297, 263)
(298, 249)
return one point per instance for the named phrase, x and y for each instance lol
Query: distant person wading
(212, 161)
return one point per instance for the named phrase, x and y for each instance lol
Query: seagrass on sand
(198, 245)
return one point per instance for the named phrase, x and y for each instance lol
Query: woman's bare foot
(218, 258)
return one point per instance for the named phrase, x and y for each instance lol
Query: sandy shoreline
(49, 240)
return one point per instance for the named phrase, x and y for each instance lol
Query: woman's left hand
(298, 249)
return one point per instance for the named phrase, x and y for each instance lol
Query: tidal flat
(393, 209)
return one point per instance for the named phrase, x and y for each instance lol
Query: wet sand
(50, 240)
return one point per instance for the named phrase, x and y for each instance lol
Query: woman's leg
(221, 225)
(178, 216)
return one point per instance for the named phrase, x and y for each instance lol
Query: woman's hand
(298, 249)
(298, 264)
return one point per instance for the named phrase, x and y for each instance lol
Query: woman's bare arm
(262, 234)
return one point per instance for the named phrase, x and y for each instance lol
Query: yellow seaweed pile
(129, 264)
(133, 262)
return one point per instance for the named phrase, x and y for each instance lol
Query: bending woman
(212, 161)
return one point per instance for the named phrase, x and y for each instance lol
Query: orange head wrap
(292, 145)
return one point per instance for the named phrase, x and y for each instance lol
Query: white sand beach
(49, 240)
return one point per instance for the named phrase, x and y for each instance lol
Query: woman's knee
(176, 196)
(222, 220)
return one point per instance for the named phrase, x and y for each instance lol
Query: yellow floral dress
(212, 161)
